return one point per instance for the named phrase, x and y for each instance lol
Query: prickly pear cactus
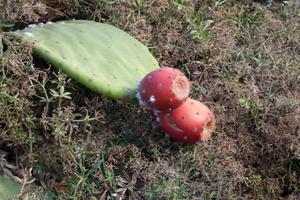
(99, 56)
(10, 190)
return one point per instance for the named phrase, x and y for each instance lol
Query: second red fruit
(189, 123)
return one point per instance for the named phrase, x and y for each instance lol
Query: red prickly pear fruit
(164, 89)
(189, 123)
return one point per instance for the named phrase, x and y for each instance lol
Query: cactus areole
(189, 123)
(164, 89)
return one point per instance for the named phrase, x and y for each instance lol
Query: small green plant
(261, 60)
(218, 3)
(286, 11)
(138, 4)
(256, 179)
(195, 90)
(101, 5)
(247, 19)
(104, 3)
(114, 19)
(154, 191)
(85, 180)
(179, 4)
(60, 95)
(180, 190)
(253, 107)
(199, 27)
(175, 7)
(168, 188)
(258, 57)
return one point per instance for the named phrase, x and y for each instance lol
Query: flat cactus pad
(99, 56)
(10, 190)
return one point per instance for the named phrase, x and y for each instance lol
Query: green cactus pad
(99, 56)
(10, 190)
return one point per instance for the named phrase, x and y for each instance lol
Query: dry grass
(244, 64)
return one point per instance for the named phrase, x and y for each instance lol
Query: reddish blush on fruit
(189, 123)
(164, 89)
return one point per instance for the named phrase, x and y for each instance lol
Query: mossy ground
(242, 58)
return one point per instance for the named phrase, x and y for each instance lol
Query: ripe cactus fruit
(189, 123)
(99, 56)
(164, 89)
